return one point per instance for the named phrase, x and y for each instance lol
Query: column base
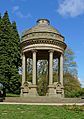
(56, 90)
(51, 90)
(33, 90)
(29, 90)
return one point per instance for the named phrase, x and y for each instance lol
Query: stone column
(33, 86)
(61, 69)
(34, 68)
(61, 77)
(51, 91)
(58, 69)
(24, 68)
(50, 67)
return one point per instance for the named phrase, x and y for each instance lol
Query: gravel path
(58, 104)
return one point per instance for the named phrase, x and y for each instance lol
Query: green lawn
(41, 112)
(12, 95)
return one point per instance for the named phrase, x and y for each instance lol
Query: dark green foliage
(16, 46)
(42, 85)
(71, 86)
(0, 17)
(42, 77)
(9, 55)
(80, 93)
(29, 77)
(55, 76)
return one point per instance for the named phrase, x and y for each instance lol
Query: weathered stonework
(40, 40)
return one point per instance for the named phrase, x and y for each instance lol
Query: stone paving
(57, 104)
(43, 100)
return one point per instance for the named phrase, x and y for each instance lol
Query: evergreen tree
(0, 17)
(16, 60)
(9, 55)
(16, 46)
(4, 42)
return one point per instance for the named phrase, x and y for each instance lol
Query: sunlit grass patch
(41, 112)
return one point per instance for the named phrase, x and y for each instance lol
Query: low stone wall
(43, 99)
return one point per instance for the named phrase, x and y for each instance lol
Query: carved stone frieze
(43, 35)
(43, 41)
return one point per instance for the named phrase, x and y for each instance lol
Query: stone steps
(43, 99)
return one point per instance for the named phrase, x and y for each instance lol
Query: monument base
(28, 90)
(56, 90)
(51, 90)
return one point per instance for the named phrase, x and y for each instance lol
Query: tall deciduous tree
(71, 82)
(70, 65)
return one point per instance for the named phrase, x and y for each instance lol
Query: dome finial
(43, 21)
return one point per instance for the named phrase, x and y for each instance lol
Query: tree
(9, 54)
(0, 17)
(4, 37)
(70, 65)
(71, 82)
(16, 54)
(42, 85)
(42, 67)
(71, 85)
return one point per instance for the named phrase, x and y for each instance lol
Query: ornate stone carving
(25, 87)
(43, 35)
(45, 41)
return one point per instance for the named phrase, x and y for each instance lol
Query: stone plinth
(56, 90)
(51, 90)
(28, 90)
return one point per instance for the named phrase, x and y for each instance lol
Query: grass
(41, 112)
(12, 95)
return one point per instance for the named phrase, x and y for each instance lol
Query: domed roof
(42, 33)
(43, 25)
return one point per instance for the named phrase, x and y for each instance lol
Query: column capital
(51, 51)
(62, 54)
(23, 53)
(34, 50)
